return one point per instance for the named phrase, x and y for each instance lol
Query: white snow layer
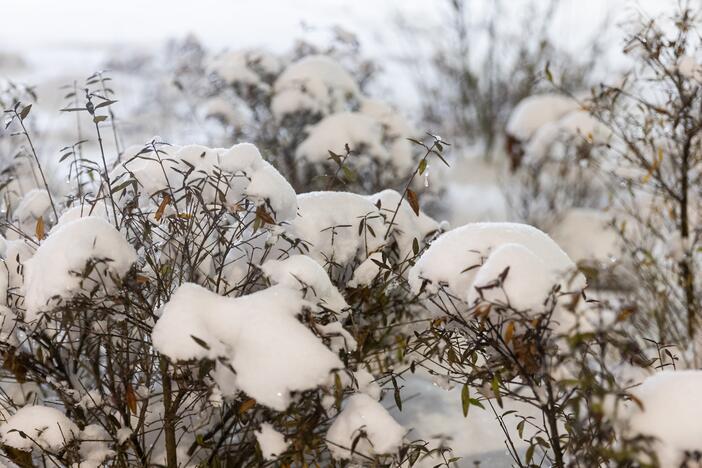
(367, 419)
(247, 175)
(271, 352)
(471, 257)
(46, 427)
(671, 413)
(272, 442)
(315, 83)
(534, 111)
(56, 267)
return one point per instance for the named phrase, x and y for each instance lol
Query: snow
(555, 138)
(302, 272)
(272, 442)
(272, 353)
(46, 427)
(364, 415)
(535, 111)
(489, 248)
(671, 413)
(319, 212)
(34, 205)
(55, 268)
(94, 449)
(247, 67)
(407, 225)
(315, 83)
(585, 234)
(250, 175)
(363, 134)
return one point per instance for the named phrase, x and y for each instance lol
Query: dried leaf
(162, 207)
(131, 399)
(247, 405)
(413, 201)
(39, 230)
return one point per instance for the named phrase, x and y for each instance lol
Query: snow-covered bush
(511, 324)
(183, 306)
(653, 165)
(554, 148)
(313, 115)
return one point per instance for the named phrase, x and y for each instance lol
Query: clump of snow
(271, 352)
(365, 418)
(473, 255)
(535, 111)
(55, 268)
(248, 67)
(407, 225)
(272, 442)
(34, 205)
(670, 413)
(42, 426)
(301, 272)
(360, 131)
(585, 234)
(328, 222)
(94, 448)
(247, 175)
(317, 84)
(555, 138)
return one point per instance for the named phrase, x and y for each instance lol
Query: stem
(36, 159)
(107, 175)
(168, 417)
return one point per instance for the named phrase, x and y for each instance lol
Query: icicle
(426, 177)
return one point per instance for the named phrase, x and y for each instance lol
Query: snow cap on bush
(56, 267)
(467, 259)
(259, 335)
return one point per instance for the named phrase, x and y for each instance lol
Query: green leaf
(422, 166)
(465, 399)
(99, 118)
(547, 71)
(415, 246)
(496, 390)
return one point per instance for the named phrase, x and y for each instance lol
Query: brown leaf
(162, 207)
(131, 399)
(509, 332)
(247, 405)
(413, 201)
(39, 230)
(263, 215)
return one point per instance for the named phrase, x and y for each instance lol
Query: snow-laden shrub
(554, 147)
(313, 115)
(185, 307)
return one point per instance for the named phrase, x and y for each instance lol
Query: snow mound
(247, 175)
(476, 254)
(407, 226)
(46, 427)
(317, 84)
(670, 413)
(271, 352)
(272, 442)
(364, 416)
(56, 267)
(535, 111)
(362, 133)
(329, 223)
(248, 67)
(301, 272)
